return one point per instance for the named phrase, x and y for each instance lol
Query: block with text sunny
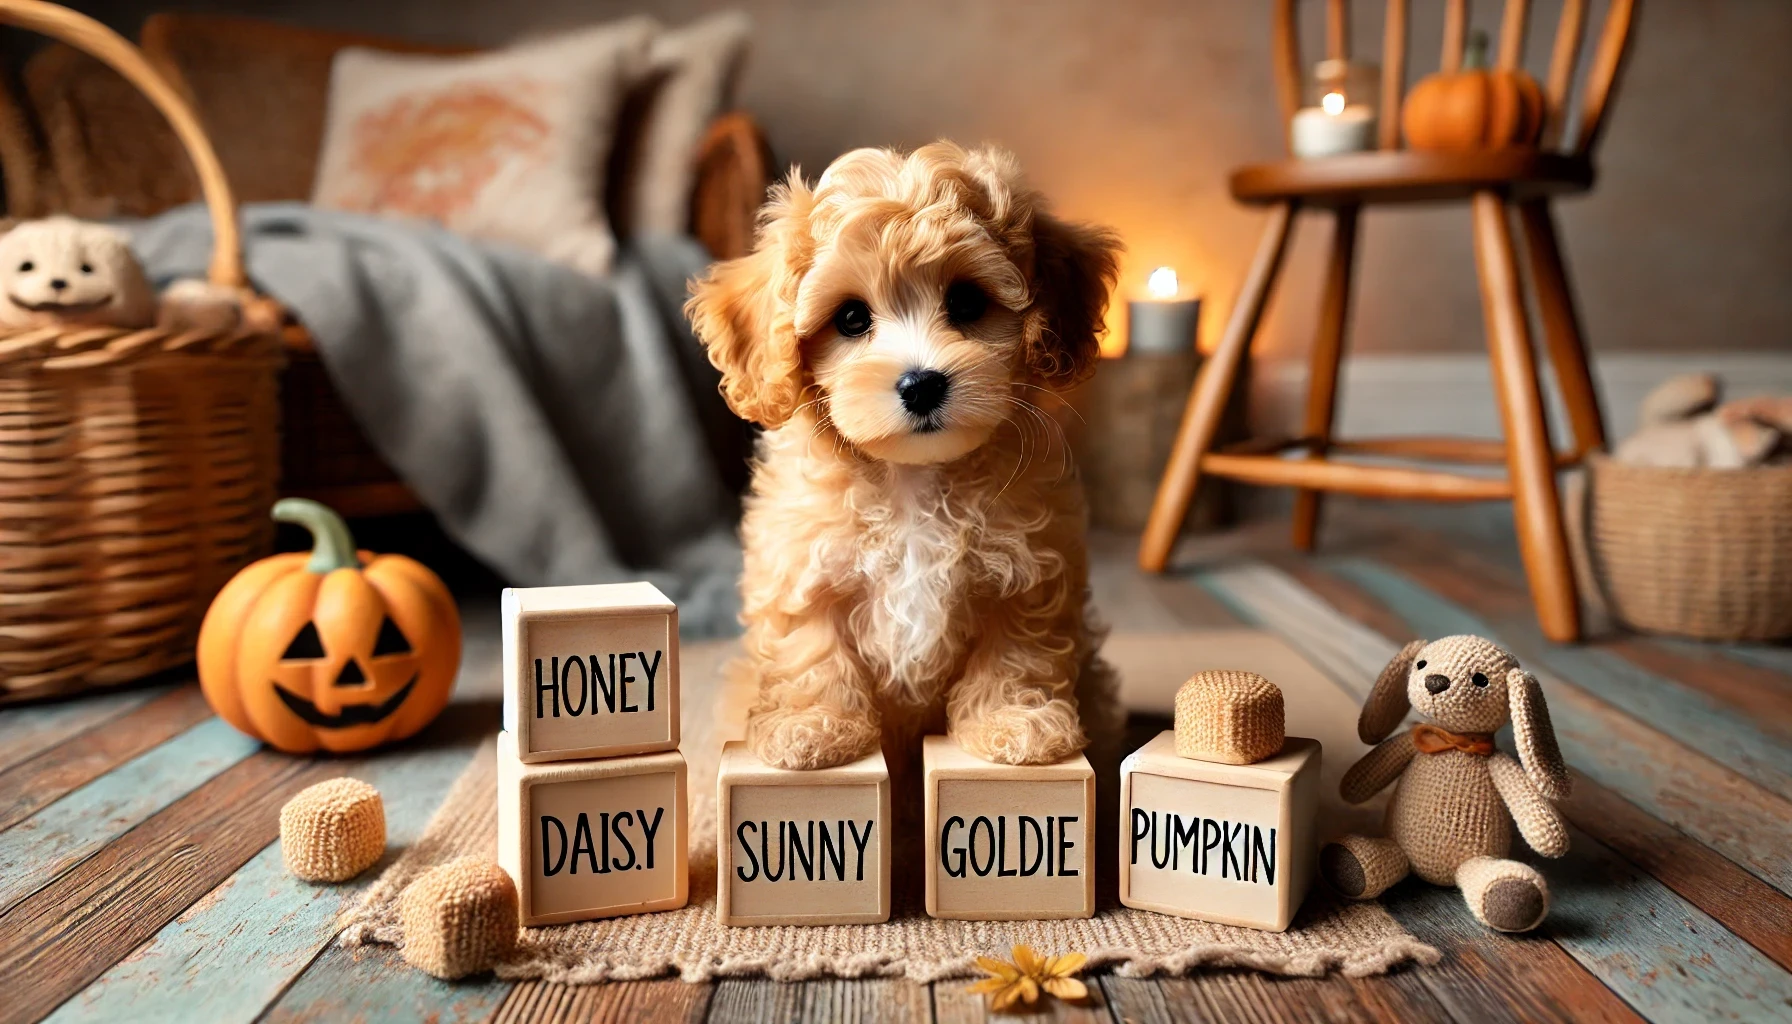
(1007, 842)
(1228, 843)
(802, 847)
(591, 839)
(590, 671)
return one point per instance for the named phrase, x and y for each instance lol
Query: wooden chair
(1495, 185)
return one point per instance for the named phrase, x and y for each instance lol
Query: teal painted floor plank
(27, 731)
(1746, 823)
(1773, 658)
(36, 850)
(1669, 960)
(239, 947)
(373, 983)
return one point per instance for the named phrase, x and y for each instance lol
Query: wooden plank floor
(140, 876)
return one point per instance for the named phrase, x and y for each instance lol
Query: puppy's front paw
(1017, 734)
(803, 739)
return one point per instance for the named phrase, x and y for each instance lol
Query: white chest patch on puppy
(912, 558)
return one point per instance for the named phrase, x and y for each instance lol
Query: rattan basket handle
(85, 34)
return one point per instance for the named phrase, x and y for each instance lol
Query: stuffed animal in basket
(1450, 819)
(63, 271)
(915, 533)
(1683, 425)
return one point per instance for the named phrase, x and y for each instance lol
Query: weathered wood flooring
(140, 877)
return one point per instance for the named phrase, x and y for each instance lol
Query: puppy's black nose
(1436, 683)
(58, 283)
(922, 391)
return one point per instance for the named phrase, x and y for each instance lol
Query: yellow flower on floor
(1020, 981)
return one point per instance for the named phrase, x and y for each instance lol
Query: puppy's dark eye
(1478, 679)
(27, 267)
(853, 318)
(1420, 664)
(965, 303)
(86, 268)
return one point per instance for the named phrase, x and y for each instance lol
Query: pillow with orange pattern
(508, 146)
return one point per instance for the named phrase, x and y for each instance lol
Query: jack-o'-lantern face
(337, 650)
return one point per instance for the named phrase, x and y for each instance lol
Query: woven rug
(1355, 939)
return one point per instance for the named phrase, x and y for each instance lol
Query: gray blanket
(554, 423)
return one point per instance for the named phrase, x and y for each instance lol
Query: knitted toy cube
(1232, 844)
(802, 847)
(1007, 842)
(1228, 716)
(333, 831)
(590, 671)
(591, 839)
(459, 918)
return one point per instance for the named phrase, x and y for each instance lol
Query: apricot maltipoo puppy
(915, 532)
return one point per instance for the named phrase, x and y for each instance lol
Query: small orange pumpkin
(1476, 108)
(333, 649)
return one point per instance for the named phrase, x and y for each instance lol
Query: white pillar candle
(1162, 324)
(1316, 131)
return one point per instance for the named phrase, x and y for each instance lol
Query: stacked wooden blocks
(591, 787)
(1217, 817)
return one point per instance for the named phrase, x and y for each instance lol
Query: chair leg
(1322, 382)
(1561, 324)
(1537, 512)
(1207, 400)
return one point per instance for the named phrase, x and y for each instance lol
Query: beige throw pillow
(508, 146)
(690, 78)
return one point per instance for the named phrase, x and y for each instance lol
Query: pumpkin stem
(1474, 55)
(332, 546)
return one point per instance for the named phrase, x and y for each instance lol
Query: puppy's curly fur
(913, 560)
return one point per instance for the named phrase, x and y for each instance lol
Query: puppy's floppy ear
(1074, 266)
(1534, 736)
(1387, 703)
(742, 312)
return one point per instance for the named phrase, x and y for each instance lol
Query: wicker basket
(136, 466)
(1703, 553)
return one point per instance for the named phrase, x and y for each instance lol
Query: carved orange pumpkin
(1476, 108)
(335, 649)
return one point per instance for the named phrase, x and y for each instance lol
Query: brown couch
(83, 141)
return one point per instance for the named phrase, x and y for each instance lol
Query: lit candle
(1162, 324)
(1331, 128)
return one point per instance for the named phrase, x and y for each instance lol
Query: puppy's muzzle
(923, 391)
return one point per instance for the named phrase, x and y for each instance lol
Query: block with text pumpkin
(590, 671)
(801, 847)
(1228, 843)
(1007, 842)
(591, 839)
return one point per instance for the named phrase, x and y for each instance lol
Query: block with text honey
(590, 671)
(591, 839)
(1228, 843)
(1007, 842)
(801, 847)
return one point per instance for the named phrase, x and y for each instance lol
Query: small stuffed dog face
(1460, 683)
(908, 300)
(61, 270)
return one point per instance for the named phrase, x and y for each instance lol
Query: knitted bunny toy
(1450, 819)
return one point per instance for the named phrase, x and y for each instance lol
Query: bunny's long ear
(1535, 737)
(1387, 703)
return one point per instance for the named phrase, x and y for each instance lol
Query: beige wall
(1131, 112)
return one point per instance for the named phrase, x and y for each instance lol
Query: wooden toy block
(1231, 844)
(1007, 842)
(590, 671)
(804, 848)
(591, 839)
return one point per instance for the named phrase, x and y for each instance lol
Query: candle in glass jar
(1162, 324)
(1331, 128)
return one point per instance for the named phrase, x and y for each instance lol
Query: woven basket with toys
(1689, 521)
(138, 432)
